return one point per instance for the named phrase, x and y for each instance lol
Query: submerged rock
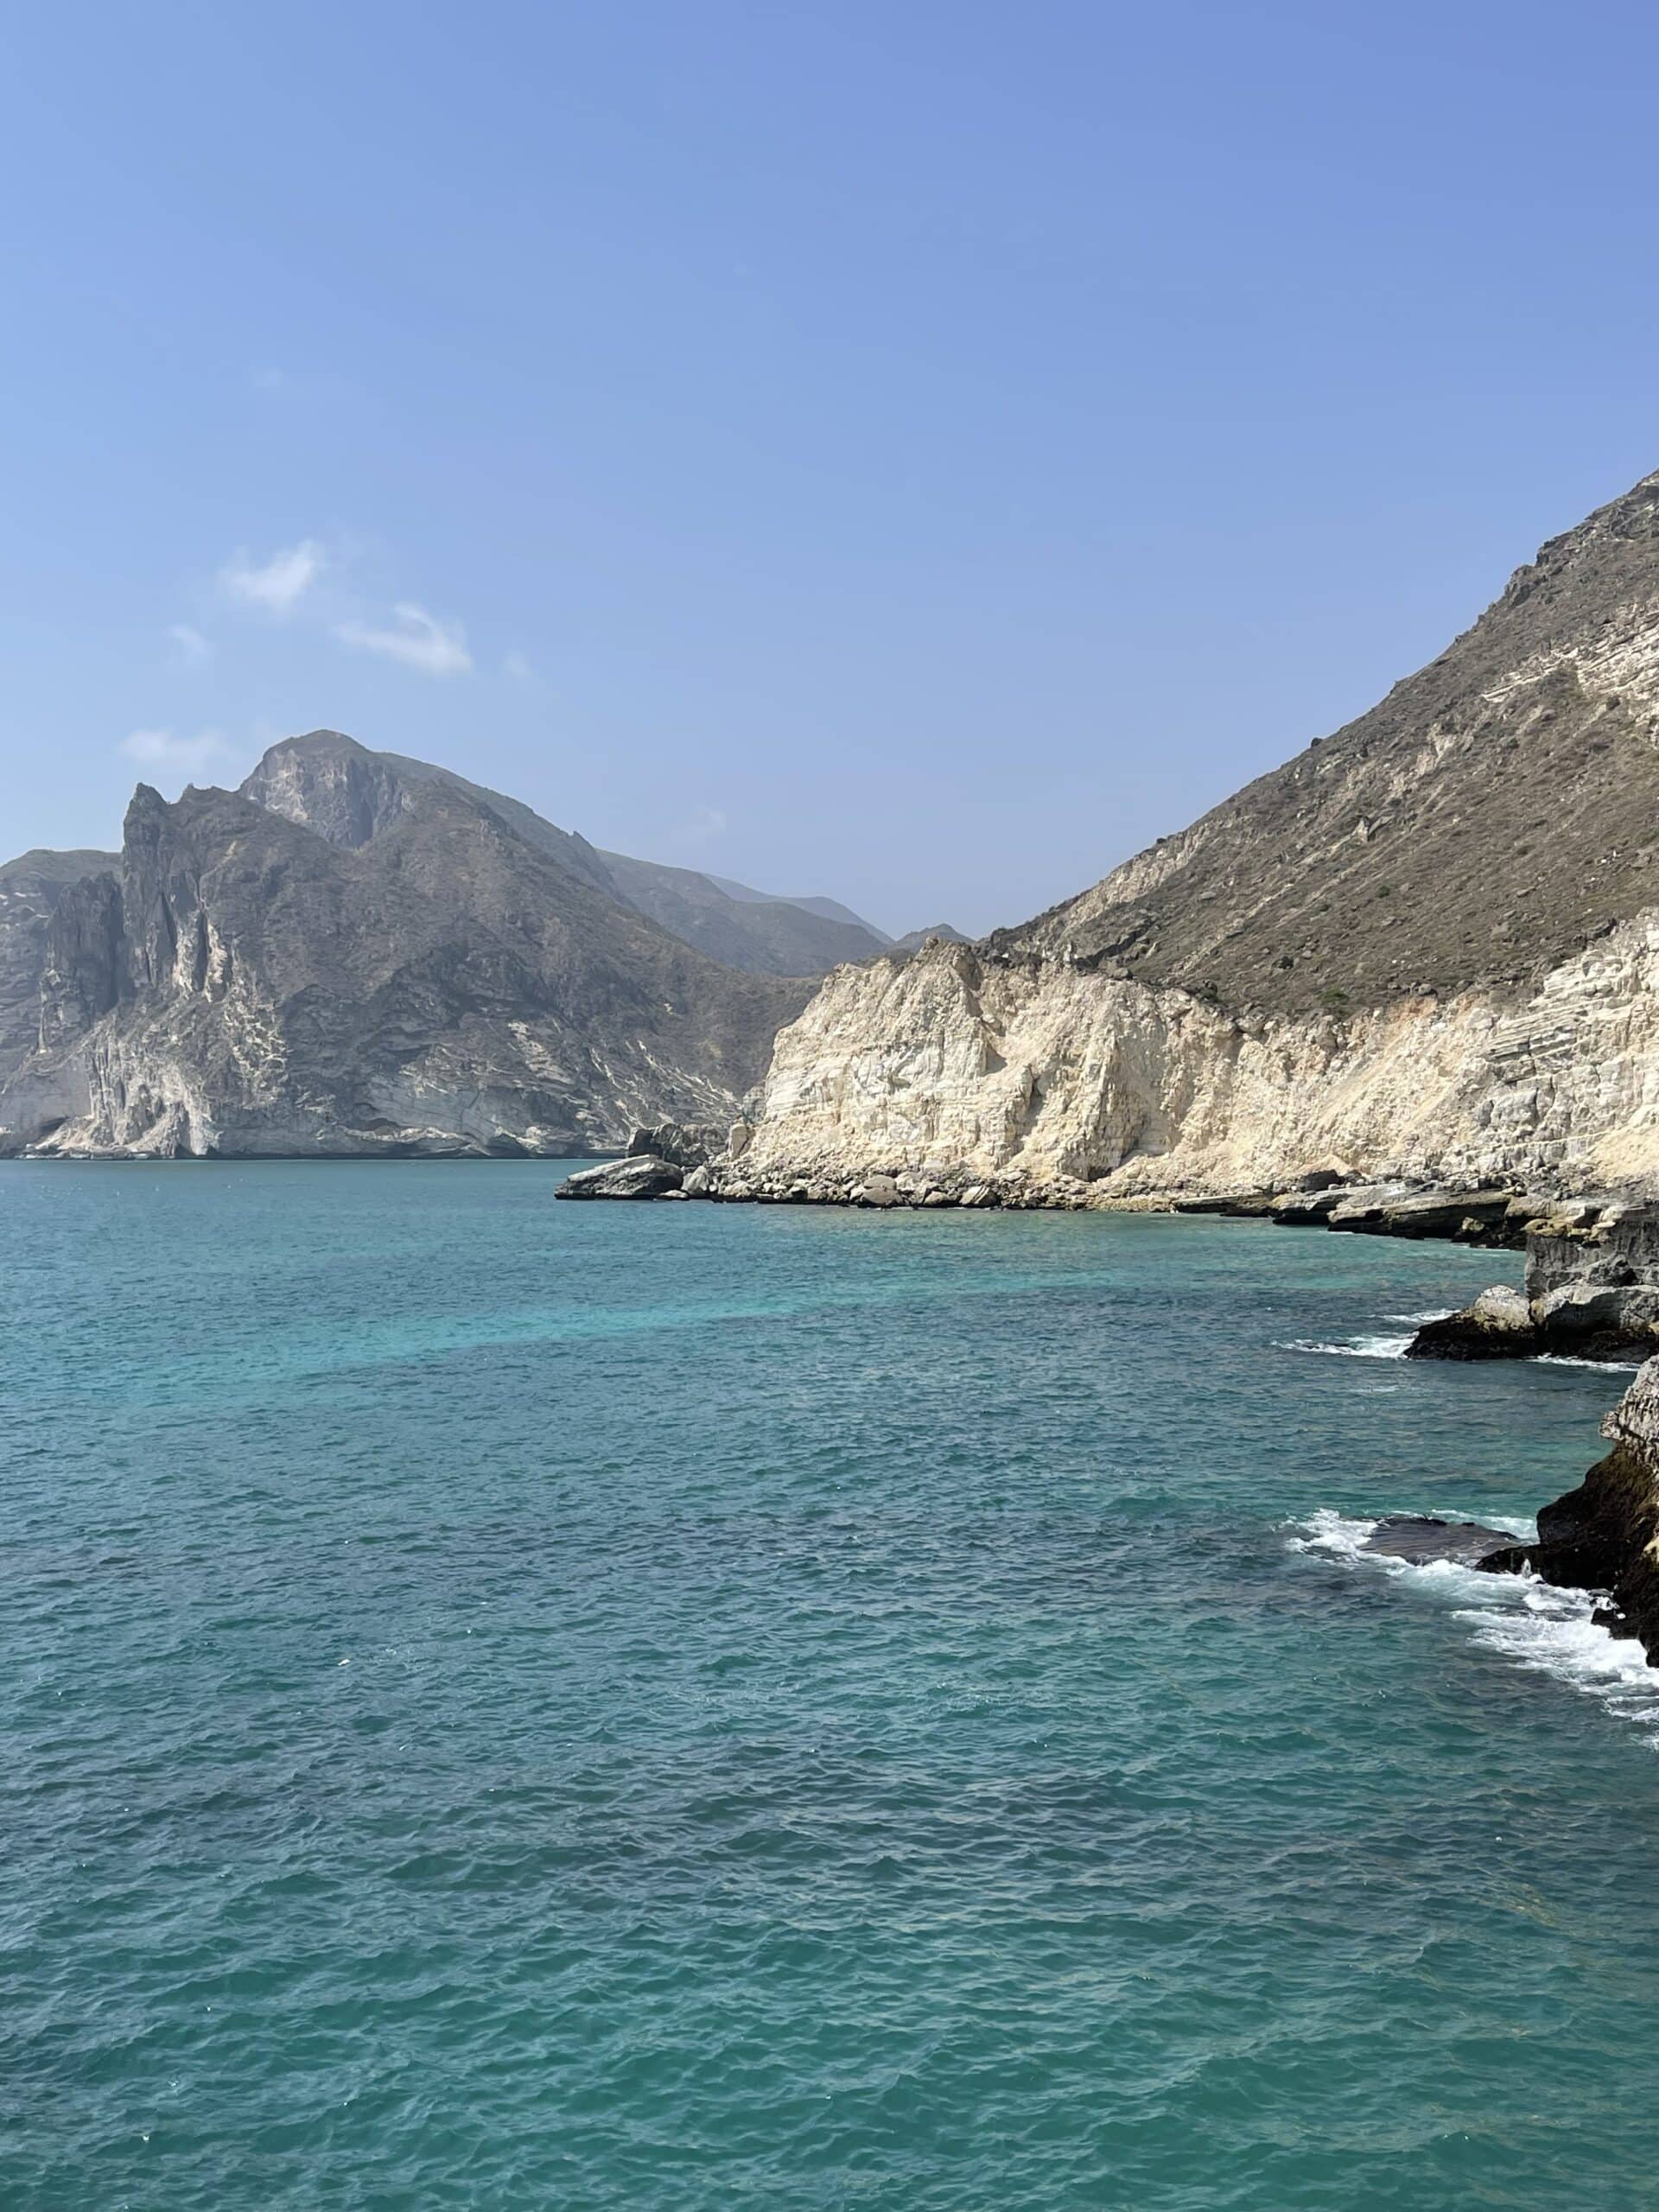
(1421, 1540)
(638, 1176)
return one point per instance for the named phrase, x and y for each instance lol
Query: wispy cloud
(277, 585)
(160, 748)
(190, 642)
(706, 823)
(420, 641)
(516, 665)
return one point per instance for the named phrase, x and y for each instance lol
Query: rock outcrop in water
(1426, 952)
(640, 1175)
(1605, 1534)
(1592, 1293)
(1422, 1541)
(427, 978)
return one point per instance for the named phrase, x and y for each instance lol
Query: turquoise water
(517, 1705)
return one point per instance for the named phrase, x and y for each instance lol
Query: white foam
(1360, 1348)
(1391, 1347)
(1329, 1531)
(1545, 1630)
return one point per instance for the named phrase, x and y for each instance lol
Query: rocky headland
(1422, 955)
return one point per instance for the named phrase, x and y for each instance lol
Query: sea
(510, 1704)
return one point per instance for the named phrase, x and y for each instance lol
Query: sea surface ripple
(513, 1705)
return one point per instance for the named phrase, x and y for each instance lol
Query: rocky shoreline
(695, 1162)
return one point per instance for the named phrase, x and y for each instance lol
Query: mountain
(347, 794)
(30, 887)
(330, 783)
(827, 910)
(917, 938)
(744, 928)
(1487, 819)
(429, 970)
(1426, 948)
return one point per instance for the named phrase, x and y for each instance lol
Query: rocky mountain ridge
(349, 793)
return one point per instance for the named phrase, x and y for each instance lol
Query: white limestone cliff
(1037, 1070)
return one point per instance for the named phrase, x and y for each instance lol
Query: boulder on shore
(638, 1176)
(1497, 1325)
(682, 1144)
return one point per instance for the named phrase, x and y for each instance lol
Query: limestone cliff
(1427, 948)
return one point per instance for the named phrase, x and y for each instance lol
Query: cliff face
(1426, 948)
(249, 987)
(1039, 1070)
(30, 888)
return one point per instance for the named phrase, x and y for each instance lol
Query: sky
(915, 453)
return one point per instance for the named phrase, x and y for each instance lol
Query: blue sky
(915, 452)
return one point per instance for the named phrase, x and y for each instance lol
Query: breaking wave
(1384, 1347)
(1545, 1630)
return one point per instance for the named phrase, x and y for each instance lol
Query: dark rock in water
(638, 1176)
(1305, 1209)
(1420, 1539)
(1615, 1622)
(1244, 1205)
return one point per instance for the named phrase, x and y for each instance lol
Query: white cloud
(190, 642)
(706, 823)
(160, 748)
(516, 665)
(421, 641)
(280, 583)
